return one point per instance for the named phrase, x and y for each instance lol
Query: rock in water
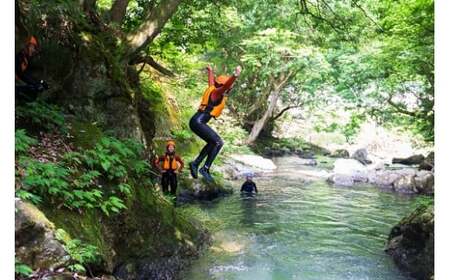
(35, 241)
(340, 153)
(237, 166)
(351, 168)
(424, 182)
(200, 189)
(428, 163)
(361, 156)
(255, 161)
(341, 180)
(412, 160)
(411, 243)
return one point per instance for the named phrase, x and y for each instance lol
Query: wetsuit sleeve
(23, 75)
(210, 77)
(218, 92)
(178, 158)
(242, 187)
(254, 185)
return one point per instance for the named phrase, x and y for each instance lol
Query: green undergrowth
(100, 177)
(82, 255)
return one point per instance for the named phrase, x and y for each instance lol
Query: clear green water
(296, 229)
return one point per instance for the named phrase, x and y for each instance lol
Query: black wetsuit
(199, 125)
(169, 178)
(249, 186)
(29, 90)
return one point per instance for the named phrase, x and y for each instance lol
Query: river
(298, 227)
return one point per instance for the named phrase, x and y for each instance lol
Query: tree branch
(152, 26)
(150, 61)
(277, 116)
(118, 10)
(367, 16)
(399, 108)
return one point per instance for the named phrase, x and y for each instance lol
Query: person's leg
(198, 126)
(165, 182)
(173, 184)
(217, 144)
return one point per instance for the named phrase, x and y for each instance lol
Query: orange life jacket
(23, 66)
(169, 164)
(205, 105)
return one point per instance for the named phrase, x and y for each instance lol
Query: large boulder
(35, 241)
(386, 178)
(238, 166)
(428, 163)
(341, 180)
(412, 160)
(200, 189)
(361, 155)
(424, 182)
(405, 180)
(255, 161)
(411, 243)
(352, 168)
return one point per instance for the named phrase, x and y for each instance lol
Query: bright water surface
(296, 228)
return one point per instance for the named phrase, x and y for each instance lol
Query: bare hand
(209, 68)
(237, 71)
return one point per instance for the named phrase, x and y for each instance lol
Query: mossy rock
(35, 240)
(200, 189)
(411, 243)
(150, 228)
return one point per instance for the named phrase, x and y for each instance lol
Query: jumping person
(211, 106)
(169, 165)
(26, 87)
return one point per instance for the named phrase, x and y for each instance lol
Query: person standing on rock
(211, 106)
(27, 88)
(169, 165)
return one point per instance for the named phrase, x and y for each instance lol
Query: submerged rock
(35, 241)
(306, 161)
(411, 243)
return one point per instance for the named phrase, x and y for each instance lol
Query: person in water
(27, 88)
(211, 106)
(169, 165)
(249, 186)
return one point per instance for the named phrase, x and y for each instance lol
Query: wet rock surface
(411, 243)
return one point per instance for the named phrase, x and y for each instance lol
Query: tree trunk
(277, 86)
(88, 5)
(259, 124)
(149, 29)
(118, 10)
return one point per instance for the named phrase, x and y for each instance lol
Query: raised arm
(217, 93)
(210, 75)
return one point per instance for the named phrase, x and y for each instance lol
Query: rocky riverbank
(411, 243)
